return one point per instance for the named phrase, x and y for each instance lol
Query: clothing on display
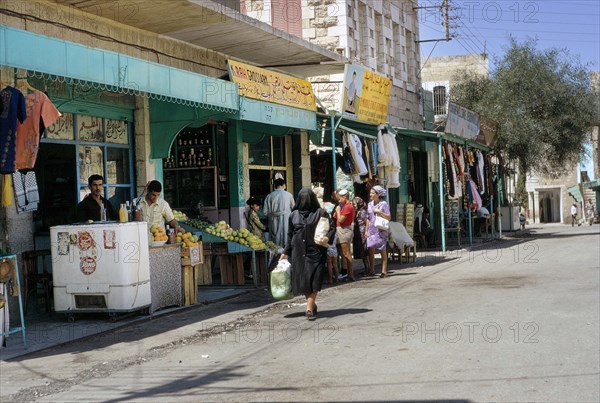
(13, 110)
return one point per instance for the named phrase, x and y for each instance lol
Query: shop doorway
(57, 184)
(549, 206)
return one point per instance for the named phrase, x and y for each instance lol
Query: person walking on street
(359, 243)
(589, 212)
(377, 238)
(344, 217)
(307, 258)
(573, 214)
(277, 208)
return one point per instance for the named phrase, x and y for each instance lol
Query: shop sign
(279, 115)
(366, 94)
(265, 85)
(462, 122)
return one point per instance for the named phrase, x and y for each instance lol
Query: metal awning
(576, 193)
(211, 25)
(114, 71)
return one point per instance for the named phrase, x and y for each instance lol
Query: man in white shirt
(573, 214)
(157, 211)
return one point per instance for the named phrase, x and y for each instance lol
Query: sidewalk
(44, 331)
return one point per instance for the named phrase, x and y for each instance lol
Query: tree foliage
(543, 102)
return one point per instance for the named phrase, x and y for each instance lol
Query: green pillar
(236, 165)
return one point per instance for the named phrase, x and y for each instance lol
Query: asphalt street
(515, 320)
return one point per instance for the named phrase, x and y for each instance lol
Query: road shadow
(330, 313)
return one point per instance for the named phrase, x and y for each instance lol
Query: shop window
(71, 150)
(268, 152)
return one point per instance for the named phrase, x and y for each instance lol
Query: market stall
(117, 268)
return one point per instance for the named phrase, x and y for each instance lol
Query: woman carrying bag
(376, 237)
(307, 258)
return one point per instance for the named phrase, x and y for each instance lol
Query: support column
(235, 148)
(145, 168)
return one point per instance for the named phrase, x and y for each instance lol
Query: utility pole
(445, 10)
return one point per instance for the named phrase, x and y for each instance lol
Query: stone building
(380, 35)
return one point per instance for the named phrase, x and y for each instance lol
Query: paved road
(518, 321)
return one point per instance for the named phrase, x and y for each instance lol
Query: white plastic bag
(381, 223)
(281, 281)
(321, 232)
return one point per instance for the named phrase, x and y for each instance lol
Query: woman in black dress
(308, 260)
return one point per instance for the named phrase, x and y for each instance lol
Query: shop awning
(363, 129)
(576, 193)
(219, 26)
(594, 185)
(114, 71)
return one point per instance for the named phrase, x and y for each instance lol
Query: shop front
(110, 124)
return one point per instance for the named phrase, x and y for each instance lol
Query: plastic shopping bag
(281, 281)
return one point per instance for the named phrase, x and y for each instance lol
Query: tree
(543, 102)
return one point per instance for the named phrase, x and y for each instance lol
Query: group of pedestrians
(309, 260)
(589, 214)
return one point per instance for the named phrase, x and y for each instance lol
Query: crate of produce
(192, 255)
(204, 273)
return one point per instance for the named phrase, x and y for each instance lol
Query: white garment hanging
(480, 177)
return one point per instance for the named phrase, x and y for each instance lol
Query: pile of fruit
(198, 223)
(180, 215)
(157, 234)
(188, 239)
(272, 246)
(241, 236)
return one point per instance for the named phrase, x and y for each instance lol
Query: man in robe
(277, 207)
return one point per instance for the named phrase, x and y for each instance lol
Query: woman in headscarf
(308, 259)
(377, 238)
(359, 242)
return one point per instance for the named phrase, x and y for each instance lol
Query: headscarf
(307, 201)
(358, 202)
(379, 190)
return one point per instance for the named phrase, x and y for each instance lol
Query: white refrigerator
(100, 267)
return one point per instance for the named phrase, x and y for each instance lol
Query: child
(332, 267)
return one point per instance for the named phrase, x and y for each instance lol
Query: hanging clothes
(480, 175)
(41, 113)
(14, 109)
(475, 197)
(356, 151)
(388, 149)
(26, 191)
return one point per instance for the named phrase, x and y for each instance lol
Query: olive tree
(543, 102)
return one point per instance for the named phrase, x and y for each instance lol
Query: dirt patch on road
(495, 282)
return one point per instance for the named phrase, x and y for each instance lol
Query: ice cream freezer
(100, 267)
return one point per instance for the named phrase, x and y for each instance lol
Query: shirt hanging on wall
(26, 191)
(13, 109)
(41, 113)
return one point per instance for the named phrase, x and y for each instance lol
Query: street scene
(513, 320)
(299, 200)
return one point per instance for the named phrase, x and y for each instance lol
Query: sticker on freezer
(85, 240)
(88, 265)
(109, 239)
(63, 240)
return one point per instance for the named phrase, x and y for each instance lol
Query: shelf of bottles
(193, 149)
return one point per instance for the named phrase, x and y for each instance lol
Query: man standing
(91, 205)
(277, 207)
(589, 212)
(573, 214)
(344, 217)
(157, 211)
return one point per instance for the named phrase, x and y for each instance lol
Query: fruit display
(272, 246)
(157, 234)
(198, 223)
(187, 239)
(241, 236)
(179, 215)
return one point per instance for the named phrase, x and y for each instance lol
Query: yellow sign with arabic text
(266, 85)
(366, 94)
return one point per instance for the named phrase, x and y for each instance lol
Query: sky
(484, 27)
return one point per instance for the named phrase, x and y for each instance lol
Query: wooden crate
(204, 272)
(232, 269)
(189, 285)
(192, 255)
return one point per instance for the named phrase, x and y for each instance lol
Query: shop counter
(165, 276)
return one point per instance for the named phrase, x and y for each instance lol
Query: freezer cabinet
(100, 267)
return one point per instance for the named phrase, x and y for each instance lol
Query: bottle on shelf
(122, 213)
(102, 213)
(139, 214)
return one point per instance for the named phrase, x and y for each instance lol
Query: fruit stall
(229, 247)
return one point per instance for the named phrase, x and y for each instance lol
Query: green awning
(576, 193)
(594, 185)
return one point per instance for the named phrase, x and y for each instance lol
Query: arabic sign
(462, 122)
(366, 94)
(280, 115)
(265, 85)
